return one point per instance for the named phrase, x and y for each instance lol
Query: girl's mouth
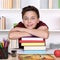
(30, 25)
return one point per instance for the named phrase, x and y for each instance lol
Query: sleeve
(41, 24)
(20, 24)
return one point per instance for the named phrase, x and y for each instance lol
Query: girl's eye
(32, 18)
(25, 18)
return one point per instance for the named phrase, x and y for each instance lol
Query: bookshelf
(49, 11)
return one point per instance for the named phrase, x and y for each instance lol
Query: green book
(58, 3)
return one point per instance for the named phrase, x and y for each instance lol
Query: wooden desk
(16, 58)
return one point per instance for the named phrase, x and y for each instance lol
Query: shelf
(54, 30)
(50, 9)
(10, 9)
(21, 9)
(7, 30)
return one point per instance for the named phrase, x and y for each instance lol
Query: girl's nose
(29, 20)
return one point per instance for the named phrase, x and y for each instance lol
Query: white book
(50, 4)
(18, 4)
(32, 38)
(34, 47)
(0, 23)
(13, 43)
(3, 23)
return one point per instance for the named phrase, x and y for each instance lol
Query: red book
(31, 41)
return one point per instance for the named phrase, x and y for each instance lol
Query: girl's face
(30, 19)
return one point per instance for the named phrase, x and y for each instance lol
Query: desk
(16, 58)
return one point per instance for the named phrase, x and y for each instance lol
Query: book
(31, 51)
(18, 4)
(3, 23)
(10, 4)
(32, 38)
(32, 44)
(31, 41)
(58, 3)
(50, 4)
(0, 23)
(3, 4)
(34, 47)
(7, 4)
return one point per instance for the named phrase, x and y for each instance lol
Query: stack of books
(33, 45)
(2, 23)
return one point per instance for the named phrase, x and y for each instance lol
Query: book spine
(17, 4)
(50, 4)
(3, 23)
(58, 3)
(34, 47)
(10, 4)
(32, 52)
(7, 4)
(3, 3)
(32, 44)
(0, 23)
(31, 41)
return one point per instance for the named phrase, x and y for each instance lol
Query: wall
(50, 17)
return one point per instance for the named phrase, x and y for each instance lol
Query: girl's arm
(18, 32)
(16, 35)
(40, 32)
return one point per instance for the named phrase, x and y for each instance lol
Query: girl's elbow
(11, 36)
(46, 35)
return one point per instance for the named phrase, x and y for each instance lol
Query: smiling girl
(31, 25)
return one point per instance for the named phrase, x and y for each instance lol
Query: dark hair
(30, 8)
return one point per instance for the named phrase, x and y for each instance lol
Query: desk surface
(16, 58)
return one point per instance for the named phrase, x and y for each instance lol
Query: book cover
(34, 47)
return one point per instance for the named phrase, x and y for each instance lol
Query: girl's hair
(30, 8)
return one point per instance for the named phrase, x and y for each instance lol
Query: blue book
(31, 51)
